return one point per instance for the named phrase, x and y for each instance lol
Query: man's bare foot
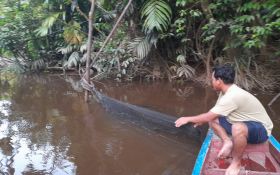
(226, 149)
(233, 168)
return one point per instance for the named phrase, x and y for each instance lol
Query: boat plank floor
(256, 160)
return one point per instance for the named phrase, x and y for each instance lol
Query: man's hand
(197, 124)
(181, 121)
(197, 120)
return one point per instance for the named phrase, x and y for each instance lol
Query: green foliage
(72, 33)
(181, 59)
(75, 53)
(195, 13)
(20, 26)
(72, 61)
(182, 31)
(183, 2)
(140, 46)
(66, 50)
(180, 23)
(186, 70)
(157, 15)
(25, 35)
(47, 24)
(251, 23)
(259, 25)
(16, 31)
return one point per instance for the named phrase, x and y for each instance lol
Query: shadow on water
(46, 128)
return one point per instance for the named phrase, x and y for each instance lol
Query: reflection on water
(19, 154)
(25, 141)
(5, 107)
(46, 128)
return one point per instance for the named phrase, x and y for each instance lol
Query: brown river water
(47, 128)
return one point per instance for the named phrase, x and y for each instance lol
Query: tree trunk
(205, 8)
(209, 61)
(89, 46)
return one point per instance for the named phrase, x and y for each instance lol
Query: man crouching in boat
(237, 113)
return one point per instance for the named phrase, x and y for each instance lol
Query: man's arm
(198, 119)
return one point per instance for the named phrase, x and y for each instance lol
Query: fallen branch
(60, 69)
(274, 99)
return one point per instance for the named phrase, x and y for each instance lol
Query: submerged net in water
(145, 117)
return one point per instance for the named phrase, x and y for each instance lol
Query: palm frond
(72, 33)
(65, 50)
(140, 46)
(84, 58)
(186, 70)
(83, 47)
(105, 14)
(47, 24)
(181, 59)
(73, 60)
(157, 14)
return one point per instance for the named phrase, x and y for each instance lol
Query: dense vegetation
(174, 39)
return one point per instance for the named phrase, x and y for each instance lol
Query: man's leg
(221, 132)
(239, 135)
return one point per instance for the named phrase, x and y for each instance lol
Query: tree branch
(81, 12)
(89, 46)
(274, 99)
(111, 33)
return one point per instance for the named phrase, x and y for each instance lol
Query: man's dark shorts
(256, 131)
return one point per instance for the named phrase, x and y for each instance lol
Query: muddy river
(47, 128)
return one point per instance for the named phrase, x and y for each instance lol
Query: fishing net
(144, 117)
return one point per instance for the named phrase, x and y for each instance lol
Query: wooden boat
(260, 159)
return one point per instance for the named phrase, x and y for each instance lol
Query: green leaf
(236, 29)
(157, 15)
(209, 38)
(195, 13)
(72, 33)
(183, 3)
(73, 60)
(47, 24)
(186, 70)
(245, 19)
(249, 7)
(181, 59)
(141, 47)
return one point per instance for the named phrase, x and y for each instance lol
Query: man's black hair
(225, 73)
